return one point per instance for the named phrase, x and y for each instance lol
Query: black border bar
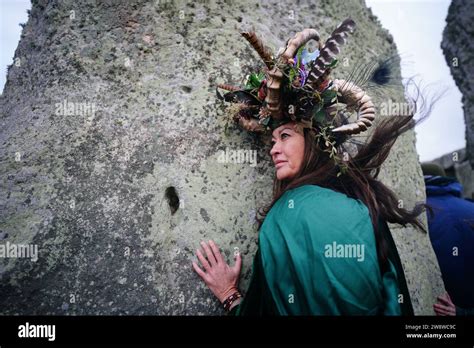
(220, 330)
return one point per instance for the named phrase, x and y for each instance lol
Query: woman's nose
(275, 149)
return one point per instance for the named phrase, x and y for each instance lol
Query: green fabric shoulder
(319, 257)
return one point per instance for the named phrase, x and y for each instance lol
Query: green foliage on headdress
(329, 96)
(298, 57)
(333, 64)
(293, 72)
(255, 80)
(325, 138)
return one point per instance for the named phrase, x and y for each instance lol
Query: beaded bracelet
(231, 299)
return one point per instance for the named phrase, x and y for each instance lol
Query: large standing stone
(458, 49)
(109, 151)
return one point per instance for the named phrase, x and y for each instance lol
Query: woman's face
(287, 151)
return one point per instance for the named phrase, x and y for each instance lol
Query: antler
(354, 96)
(275, 75)
(263, 51)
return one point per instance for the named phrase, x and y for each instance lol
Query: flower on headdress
(303, 57)
(301, 62)
(284, 80)
(303, 75)
(307, 57)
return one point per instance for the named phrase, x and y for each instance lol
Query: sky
(416, 26)
(12, 13)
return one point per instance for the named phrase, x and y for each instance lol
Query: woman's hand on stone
(444, 306)
(221, 278)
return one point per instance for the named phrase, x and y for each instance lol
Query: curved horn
(263, 51)
(275, 75)
(354, 96)
(273, 93)
(297, 41)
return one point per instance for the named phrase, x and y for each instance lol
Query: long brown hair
(359, 180)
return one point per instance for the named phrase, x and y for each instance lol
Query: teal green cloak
(317, 256)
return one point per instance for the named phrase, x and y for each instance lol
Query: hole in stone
(187, 89)
(173, 200)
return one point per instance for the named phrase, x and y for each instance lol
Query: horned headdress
(295, 85)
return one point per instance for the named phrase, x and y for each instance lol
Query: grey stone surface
(89, 189)
(458, 49)
(456, 164)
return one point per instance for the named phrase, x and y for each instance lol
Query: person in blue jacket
(451, 230)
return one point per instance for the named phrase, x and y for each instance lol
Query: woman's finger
(444, 300)
(210, 255)
(442, 310)
(203, 260)
(439, 311)
(436, 310)
(216, 251)
(443, 307)
(199, 271)
(238, 263)
(447, 312)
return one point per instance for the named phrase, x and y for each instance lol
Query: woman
(324, 246)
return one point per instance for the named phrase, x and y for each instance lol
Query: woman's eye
(284, 135)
